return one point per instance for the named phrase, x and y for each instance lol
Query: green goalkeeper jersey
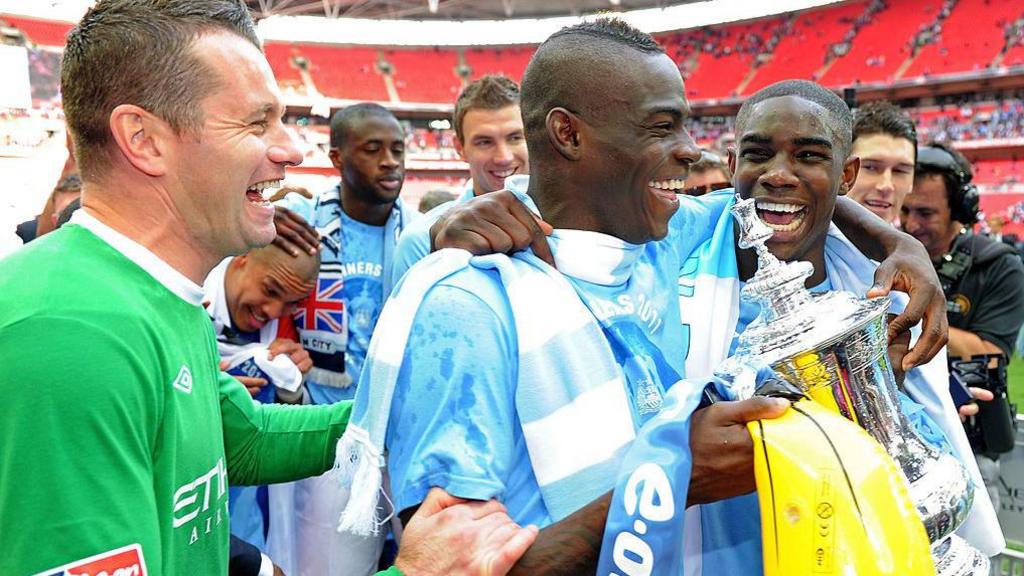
(119, 434)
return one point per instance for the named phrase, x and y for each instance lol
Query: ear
(459, 148)
(239, 262)
(850, 170)
(730, 153)
(564, 133)
(143, 139)
(335, 155)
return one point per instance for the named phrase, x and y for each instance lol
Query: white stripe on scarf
(561, 416)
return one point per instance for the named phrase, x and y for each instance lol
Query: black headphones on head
(963, 199)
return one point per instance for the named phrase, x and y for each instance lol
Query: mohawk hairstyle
(614, 29)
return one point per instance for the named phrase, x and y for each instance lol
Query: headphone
(963, 199)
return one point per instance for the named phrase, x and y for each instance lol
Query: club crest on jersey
(184, 380)
(321, 318)
(125, 561)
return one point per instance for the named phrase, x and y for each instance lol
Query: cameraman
(984, 285)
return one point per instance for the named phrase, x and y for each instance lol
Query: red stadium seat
(971, 38)
(42, 32)
(881, 46)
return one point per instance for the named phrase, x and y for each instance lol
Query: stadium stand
(425, 75)
(969, 39)
(349, 73)
(880, 48)
(42, 32)
(803, 51)
(510, 61)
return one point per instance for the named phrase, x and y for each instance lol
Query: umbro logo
(184, 380)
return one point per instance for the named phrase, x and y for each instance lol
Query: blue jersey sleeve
(453, 421)
(299, 204)
(695, 221)
(414, 244)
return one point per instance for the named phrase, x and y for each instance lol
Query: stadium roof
(449, 9)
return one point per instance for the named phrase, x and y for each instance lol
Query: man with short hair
(245, 296)
(983, 280)
(885, 140)
(489, 137)
(517, 382)
(119, 430)
(359, 221)
(792, 158)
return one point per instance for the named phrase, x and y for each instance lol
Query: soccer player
(885, 140)
(489, 137)
(119, 430)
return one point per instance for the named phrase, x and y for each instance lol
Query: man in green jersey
(119, 433)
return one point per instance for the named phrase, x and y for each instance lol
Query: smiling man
(793, 157)
(359, 221)
(489, 137)
(525, 384)
(120, 432)
(885, 140)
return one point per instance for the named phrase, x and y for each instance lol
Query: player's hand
(295, 352)
(722, 450)
(294, 233)
(495, 223)
(253, 385)
(972, 408)
(910, 270)
(448, 535)
(898, 348)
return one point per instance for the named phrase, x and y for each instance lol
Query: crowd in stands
(974, 122)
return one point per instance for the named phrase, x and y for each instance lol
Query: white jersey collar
(161, 271)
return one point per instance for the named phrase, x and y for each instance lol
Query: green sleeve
(270, 443)
(76, 439)
(390, 572)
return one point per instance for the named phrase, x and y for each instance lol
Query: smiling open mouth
(780, 217)
(673, 184)
(502, 174)
(260, 192)
(880, 204)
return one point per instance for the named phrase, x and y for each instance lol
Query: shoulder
(988, 251)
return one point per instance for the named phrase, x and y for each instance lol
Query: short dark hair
(840, 120)
(344, 120)
(570, 59)
(139, 52)
(884, 117)
(490, 92)
(955, 170)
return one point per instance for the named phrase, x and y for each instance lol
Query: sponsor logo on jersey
(201, 504)
(125, 561)
(184, 380)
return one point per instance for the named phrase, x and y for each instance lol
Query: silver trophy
(834, 347)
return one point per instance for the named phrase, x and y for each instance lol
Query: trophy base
(955, 557)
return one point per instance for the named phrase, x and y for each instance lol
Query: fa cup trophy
(834, 347)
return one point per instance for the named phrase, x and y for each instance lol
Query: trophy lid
(792, 319)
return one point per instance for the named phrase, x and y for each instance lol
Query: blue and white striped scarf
(710, 282)
(570, 394)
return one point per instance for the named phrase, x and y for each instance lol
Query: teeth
(776, 207)
(672, 184)
(265, 185)
(506, 173)
(786, 227)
